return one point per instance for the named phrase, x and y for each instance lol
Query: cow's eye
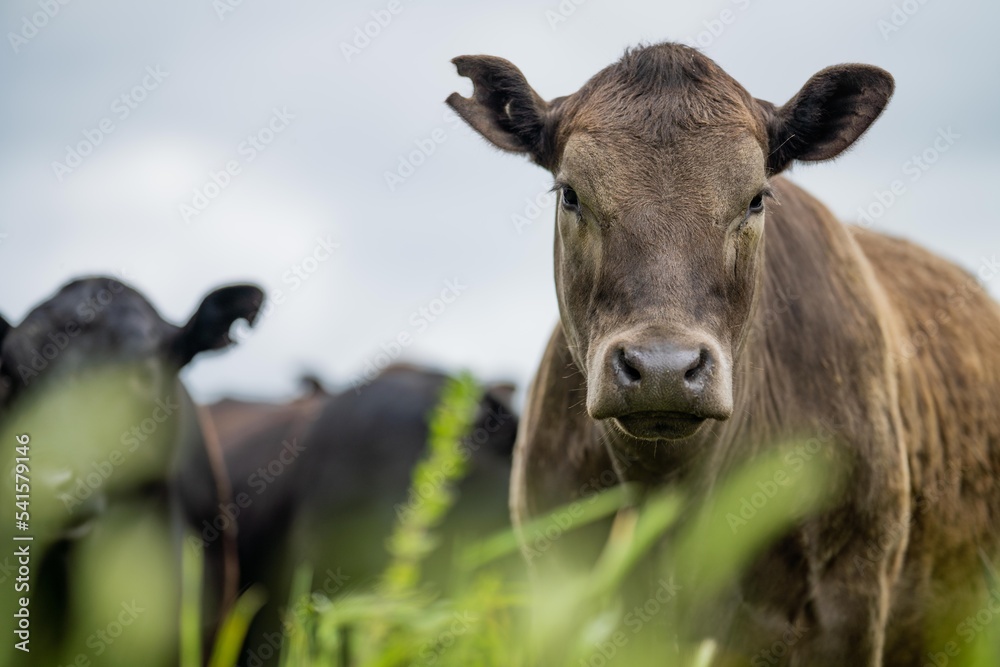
(756, 204)
(570, 201)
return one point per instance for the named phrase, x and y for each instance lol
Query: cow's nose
(652, 383)
(685, 368)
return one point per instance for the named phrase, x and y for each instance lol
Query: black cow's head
(99, 321)
(91, 375)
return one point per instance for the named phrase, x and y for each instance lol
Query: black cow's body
(90, 380)
(323, 479)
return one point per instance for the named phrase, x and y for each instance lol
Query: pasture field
(656, 580)
(668, 561)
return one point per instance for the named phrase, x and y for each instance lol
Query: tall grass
(681, 554)
(674, 557)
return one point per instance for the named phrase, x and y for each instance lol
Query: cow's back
(947, 356)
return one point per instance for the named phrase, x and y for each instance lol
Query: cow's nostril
(626, 369)
(701, 364)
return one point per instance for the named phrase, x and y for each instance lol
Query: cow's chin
(659, 425)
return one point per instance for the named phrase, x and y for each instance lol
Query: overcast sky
(201, 78)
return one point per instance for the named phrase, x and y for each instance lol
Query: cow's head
(661, 164)
(91, 374)
(101, 321)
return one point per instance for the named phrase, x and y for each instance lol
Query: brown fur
(815, 326)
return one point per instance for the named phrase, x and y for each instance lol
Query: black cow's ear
(5, 328)
(501, 394)
(504, 109)
(5, 381)
(208, 328)
(830, 113)
(496, 414)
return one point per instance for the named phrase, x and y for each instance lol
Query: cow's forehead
(655, 94)
(98, 317)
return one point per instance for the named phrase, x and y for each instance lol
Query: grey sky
(345, 122)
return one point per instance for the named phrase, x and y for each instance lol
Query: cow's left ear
(5, 328)
(501, 394)
(5, 381)
(496, 413)
(830, 113)
(208, 328)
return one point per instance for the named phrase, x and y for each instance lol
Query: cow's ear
(5, 328)
(504, 109)
(501, 394)
(830, 113)
(208, 328)
(496, 413)
(5, 380)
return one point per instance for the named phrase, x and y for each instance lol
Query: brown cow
(687, 342)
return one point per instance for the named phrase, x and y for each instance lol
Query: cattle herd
(709, 308)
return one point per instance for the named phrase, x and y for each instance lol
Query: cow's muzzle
(660, 387)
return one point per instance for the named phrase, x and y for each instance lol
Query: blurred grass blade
(295, 650)
(431, 494)
(190, 622)
(624, 550)
(501, 544)
(749, 510)
(234, 629)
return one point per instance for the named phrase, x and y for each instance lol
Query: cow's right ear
(504, 109)
(208, 328)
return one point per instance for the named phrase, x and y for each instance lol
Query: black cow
(90, 377)
(321, 480)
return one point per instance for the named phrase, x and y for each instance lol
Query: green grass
(577, 621)
(672, 556)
